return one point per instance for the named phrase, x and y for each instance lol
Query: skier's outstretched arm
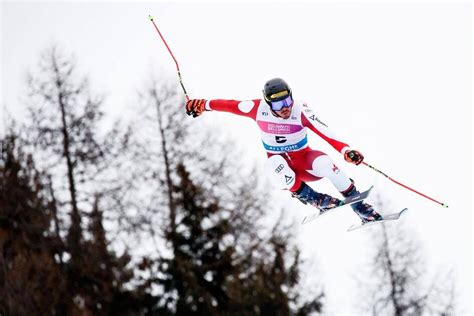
(248, 108)
(311, 121)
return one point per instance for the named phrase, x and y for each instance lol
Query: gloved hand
(195, 107)
(353, 156)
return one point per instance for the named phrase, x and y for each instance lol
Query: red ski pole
(171, 53)
(401, 184)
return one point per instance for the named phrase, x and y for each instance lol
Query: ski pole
(171, 53)
(401, 184)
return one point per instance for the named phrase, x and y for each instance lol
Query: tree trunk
(169, 184)
(75, 229)
(397, 309)
(54, 209)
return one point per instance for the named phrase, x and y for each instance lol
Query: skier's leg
(323, 166)
(277, 167)
(286, 178)
(365, 211)
(320, 200)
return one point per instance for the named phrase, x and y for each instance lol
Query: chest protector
(282, 135)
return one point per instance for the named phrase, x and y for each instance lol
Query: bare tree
(65, 135)
(397, 280)
(67, 139)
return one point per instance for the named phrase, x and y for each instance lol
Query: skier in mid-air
(284, 124)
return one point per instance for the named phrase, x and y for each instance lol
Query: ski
(324, 211)
(386, 218)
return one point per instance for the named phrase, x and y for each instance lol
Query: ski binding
(324, 211)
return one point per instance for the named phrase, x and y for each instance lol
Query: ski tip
(150, 17)
(402, 211)
(444, 205)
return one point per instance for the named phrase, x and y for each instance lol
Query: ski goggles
(278, 105)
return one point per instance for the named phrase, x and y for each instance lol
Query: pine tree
(31, 280)
(206, 275)
(106, 275)
(199, 266)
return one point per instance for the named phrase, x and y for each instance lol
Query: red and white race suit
(288, 139)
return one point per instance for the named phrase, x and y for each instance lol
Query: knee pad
(279, 171)
(323, 166)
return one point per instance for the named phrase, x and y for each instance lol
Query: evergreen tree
(107, 274)
(207, 276)
(31, 281)
(200, 264)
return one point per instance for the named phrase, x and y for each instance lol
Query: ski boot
(321, 201)
(365, 211)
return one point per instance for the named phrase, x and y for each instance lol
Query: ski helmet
(276, 90)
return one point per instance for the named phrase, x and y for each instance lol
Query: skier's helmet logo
(277, 94)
